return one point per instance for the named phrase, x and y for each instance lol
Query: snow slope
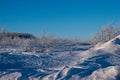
(101, 62)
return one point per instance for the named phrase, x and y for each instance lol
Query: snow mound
(110, 46)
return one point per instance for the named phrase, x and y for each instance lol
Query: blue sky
(61, 18)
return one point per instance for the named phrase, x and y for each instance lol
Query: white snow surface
(101, 62)
(108, 73)
(11, 76)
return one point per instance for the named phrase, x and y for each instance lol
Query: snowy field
(101, 62)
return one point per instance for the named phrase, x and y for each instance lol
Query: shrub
(27, 42)
(106, 33)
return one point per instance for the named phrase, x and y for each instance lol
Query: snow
(111, 45)
(103, 74)
(100, 62)
(11, 76)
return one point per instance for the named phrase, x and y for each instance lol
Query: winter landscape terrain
(79, 61)
(59, 39)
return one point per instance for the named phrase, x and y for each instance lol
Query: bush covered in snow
(107, 33)
(28, 42)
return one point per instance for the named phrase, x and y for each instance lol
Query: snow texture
(100, 62)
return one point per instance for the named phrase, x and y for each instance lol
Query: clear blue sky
(62, 18)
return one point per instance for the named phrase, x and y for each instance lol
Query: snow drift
(100, 62)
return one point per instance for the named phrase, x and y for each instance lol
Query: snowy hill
(100, 62)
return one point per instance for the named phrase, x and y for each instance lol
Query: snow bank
(110, 46)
